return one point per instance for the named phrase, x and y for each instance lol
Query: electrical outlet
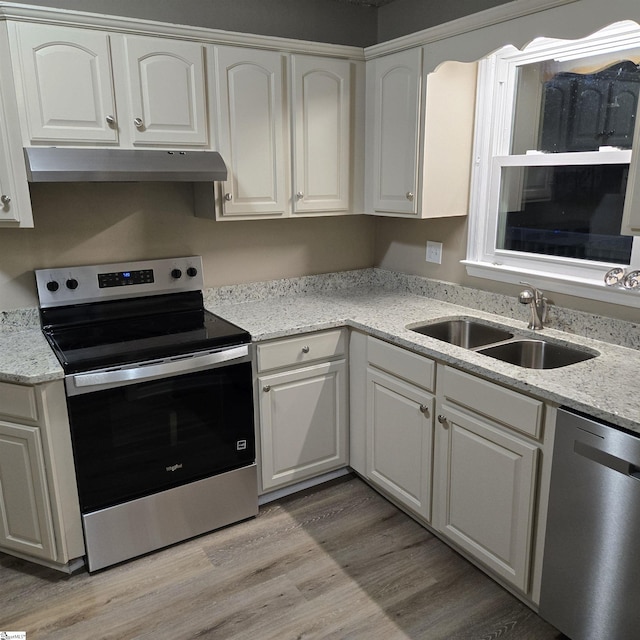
(434, 252)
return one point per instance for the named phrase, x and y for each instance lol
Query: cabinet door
(396, 81)
(399, 440)
(166, 90)
(303, 423)
(15, 200)
(26, 522)
(66, 81)
(484, 493)
(251, 132)
(321, 117)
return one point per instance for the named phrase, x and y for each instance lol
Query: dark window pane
(568, 211)
(580, 105)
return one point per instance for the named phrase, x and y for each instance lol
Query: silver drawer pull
(138, 122)
(228, 197)
(442, 419)
(305, 349)
(424, 409)
(266, 388)
(5, 200)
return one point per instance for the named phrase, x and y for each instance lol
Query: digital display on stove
(124, 278)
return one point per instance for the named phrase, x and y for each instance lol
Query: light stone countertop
(604, 387)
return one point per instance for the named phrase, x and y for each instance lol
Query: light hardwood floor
(337, 561)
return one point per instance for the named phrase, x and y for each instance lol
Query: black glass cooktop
(99, 335)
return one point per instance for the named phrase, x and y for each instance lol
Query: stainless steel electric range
(159, 396)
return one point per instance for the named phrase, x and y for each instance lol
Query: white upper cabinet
(420, 136)
(164, 81)
(631, 213)
(15, 202)
(393, 91)
(288, 151)
(251, 131)
(80, 86)
(67, 88)
(321, 119)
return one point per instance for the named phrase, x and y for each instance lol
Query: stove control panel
(95, 283)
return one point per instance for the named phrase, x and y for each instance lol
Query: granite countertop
(602, 387)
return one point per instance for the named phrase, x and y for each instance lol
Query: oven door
(137, 430)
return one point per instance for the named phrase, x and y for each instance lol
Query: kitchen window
(554, 129)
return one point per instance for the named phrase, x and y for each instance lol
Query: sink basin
(463, 333)
(536, 354)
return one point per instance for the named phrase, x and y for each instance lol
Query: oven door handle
(81, 383)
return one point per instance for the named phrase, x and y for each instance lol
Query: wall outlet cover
(434, 252)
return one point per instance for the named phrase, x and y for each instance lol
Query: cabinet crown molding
(71, 18)
(466, 24)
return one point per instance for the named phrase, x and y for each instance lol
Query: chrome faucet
(537, 303)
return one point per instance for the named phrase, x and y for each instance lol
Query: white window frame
(497, 77)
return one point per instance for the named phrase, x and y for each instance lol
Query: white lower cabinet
(466, 456)
(485, 482)
(399, 438)
(26, 524)
(486, 472)
(303, 408)
(399, 424)
(39, 512)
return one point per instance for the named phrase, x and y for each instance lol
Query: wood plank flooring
(335, 562)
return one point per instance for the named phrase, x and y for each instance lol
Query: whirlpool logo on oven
(174, 467)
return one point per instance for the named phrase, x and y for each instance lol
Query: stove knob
(192, 272)
(72, 283)
(52, 285)
(176, 273)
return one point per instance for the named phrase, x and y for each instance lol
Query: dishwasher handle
(607, 459)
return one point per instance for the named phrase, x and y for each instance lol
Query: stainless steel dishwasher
(591, 567)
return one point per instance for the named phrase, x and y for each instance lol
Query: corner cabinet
(400, 424)
(15, 201)
(419, 136)
(79, 86)
(286, 130)
(39, 512)
(303, 407)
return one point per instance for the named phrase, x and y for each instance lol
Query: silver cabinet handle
(424, 409)
(111, 121)
(228, 197)
(5, 200)
(138, 122)
(299, 195)
(442, 419)
(409, 196)
(266, 388)
(305, 349)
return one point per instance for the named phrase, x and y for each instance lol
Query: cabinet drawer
(18, 401)
(513, 409)
(301, 350)
(414, 368)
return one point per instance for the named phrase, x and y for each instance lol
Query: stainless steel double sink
(503, 344)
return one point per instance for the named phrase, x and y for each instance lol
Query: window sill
(581, 288)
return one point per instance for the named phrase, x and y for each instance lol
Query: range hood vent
(61, 164)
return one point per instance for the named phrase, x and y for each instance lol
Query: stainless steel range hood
(61, 164)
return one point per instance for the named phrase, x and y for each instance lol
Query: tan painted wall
(400, 245)
(96, 223)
